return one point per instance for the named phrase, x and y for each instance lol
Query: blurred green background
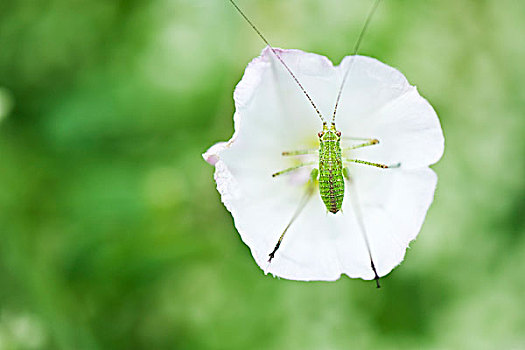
(112, 235)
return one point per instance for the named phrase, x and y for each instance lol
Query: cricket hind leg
(359, 217)
(310, 186)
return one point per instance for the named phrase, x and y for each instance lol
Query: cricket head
(329, 133)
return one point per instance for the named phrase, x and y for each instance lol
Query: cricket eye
(320, 134)
(338, 133)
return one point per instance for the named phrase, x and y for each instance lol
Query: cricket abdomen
(331, 182)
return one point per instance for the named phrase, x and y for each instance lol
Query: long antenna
(280, 59)
(356, 47)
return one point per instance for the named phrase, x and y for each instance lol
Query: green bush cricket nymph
(332, 172)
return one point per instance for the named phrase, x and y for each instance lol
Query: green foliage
(113, 235)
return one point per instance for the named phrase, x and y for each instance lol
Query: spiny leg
(359, 218)
(370, 142)
(292, 168)
(356, 138)
(300, 152)
(307, 195)
(383, 166)
(378, 165)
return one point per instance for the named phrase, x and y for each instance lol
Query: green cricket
(332, 168)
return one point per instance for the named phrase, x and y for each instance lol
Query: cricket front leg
(300, 152)
(369, 142)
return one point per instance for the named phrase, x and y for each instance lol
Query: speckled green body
(331, 182)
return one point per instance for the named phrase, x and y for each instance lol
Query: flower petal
(393, 204)
(269, 97)
(378, 102)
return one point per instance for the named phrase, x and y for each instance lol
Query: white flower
(272, 115)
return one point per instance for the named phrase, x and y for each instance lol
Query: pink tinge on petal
(212, 154)
(212, 159)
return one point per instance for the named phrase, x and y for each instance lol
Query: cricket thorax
(331, 182)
